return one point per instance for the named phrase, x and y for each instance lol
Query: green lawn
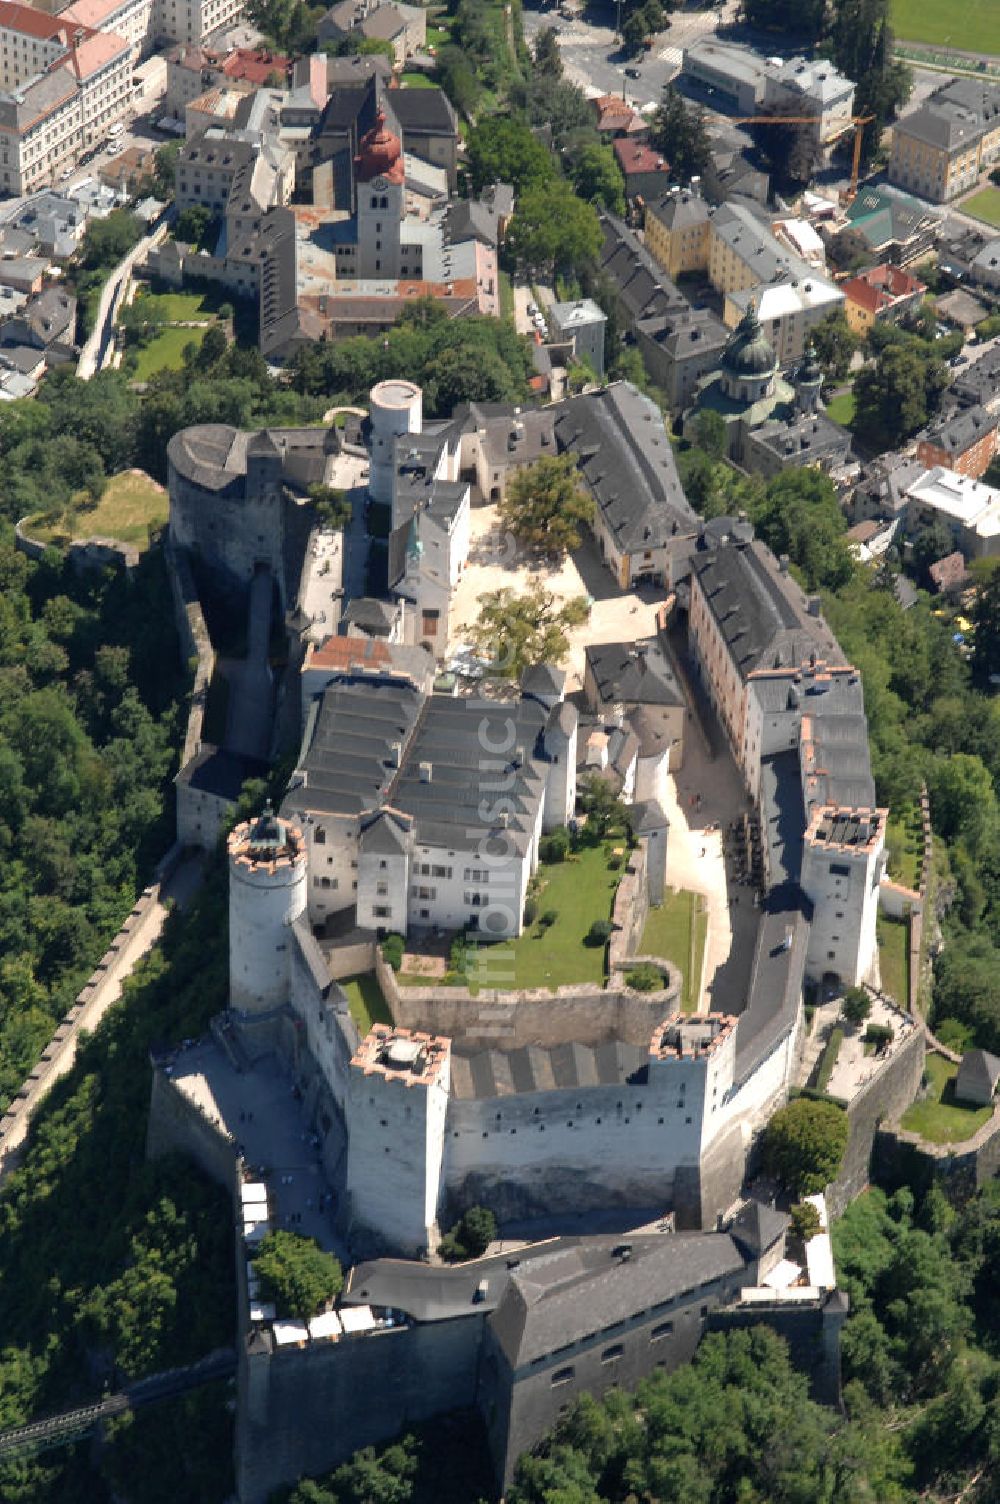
(975, 27)
(173, 307)
(506, 296)
(415, 79)
(579, 891)
(904, 838)
(984, 205)
(677, 931)
(841, 408)
(938, 1117)
(130, 505)
(166, 351)
(365, 1000)
(893, 958)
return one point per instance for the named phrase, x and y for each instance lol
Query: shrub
(296, 1273)
(878, 1034)
(805, 1220)
(857, 1005)
(548, 918)
(530, 911)
(599, 932)
(392, 951)
(645, 977)
(829, 1059)
(554, 846)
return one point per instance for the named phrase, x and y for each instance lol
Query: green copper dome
(749, 353)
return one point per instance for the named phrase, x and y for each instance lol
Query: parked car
(633, 73)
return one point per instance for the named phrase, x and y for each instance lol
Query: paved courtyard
(497, 563)
(261, 1111)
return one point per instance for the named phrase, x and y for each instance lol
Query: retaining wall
(960, 1169)
(581, 1014)
(883, 1099)
(195, 644)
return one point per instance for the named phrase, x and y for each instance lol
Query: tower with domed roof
(749, 364)
(380, 188)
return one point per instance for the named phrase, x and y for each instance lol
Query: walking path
(136, 938)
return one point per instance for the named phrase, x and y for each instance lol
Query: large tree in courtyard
(546, 506)
(804, 1145)
(297, 1274)
(518, 630)
(680, 133)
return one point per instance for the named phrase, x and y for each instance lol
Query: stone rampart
(178, 1126)
(580, 1014)
(196, 644)
(629, 914)
(100, 990)
(960, 1169)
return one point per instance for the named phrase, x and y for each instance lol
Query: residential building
(965, 442)
(581, 323)
(733, 77)
(887, 226)
(788, 311)
(968, 507)
(979, 382)
(678, 231)
(884, 294)
(645, 170)
(633, 676)
(640, 287)
(404, 26)
(940, 149)
(680, 348)
(63, 85)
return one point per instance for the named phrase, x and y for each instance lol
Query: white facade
(841, 877)
(397, 1108)
(267, 892)
(396, 408)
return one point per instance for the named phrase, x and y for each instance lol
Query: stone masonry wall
(196, 645)
(883, 1100)
(580, 1014)
(960, 1169)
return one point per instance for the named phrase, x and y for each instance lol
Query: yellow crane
(858, 123)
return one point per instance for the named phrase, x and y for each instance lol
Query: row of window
(571, 1122)
(617, 1350)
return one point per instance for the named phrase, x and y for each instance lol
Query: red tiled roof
(255, 67)
(881, 286)
(634, 156)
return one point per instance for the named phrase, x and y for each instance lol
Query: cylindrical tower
(397, 407)
(267, 890)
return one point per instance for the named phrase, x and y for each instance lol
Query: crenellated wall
(882, 1100)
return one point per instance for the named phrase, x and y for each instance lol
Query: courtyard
(496, 562)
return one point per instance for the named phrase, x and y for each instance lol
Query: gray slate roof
(627, 461)
(961, 430)
(633, 673)
(980, 1071)
(579, 1288)
(564, 1067)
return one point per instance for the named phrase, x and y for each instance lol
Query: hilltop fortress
(418, 806)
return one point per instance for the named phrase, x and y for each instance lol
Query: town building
(880, 294)
(677, 232)
(739, 79)
(645, 170)
(403, 26)
(63, 84)
(965, 505)
(965, 442)
(940, 149)
(582, 324)
(886, 225)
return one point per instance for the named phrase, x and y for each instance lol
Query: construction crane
(858, 123)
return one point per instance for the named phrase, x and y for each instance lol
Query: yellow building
(940, 149)
(678, 231)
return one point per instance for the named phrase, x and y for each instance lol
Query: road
(97, 352)
(593, 59)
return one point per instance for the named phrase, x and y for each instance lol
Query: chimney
(426, 772)
(395, 754)
(813, 604)
(783, 563)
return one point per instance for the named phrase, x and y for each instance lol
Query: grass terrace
(677, 930)
(894, 958)
(905, 840)
(975, 28)
(985, 204)
(937, 1117)
(175, 307)
(165, 351)
(365, 1000)
(131, 504)
(415, 79)
(841, 408)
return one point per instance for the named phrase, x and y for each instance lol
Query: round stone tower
(267, 891)
(396, 408)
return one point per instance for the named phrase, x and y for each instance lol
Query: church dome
(380, 153)
(749, 354)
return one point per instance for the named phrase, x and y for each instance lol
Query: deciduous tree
(546, 506)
